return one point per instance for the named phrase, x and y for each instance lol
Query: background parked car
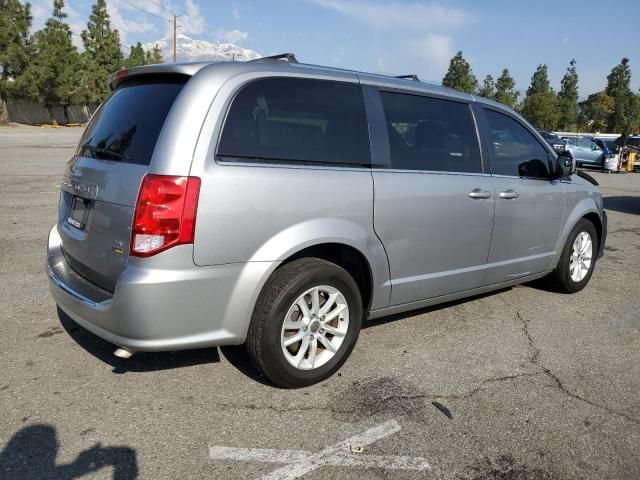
(634, 141)
(586, 152)
(608, 145)
(553, 140)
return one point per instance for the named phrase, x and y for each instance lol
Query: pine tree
(53, 77)
(488, 89)
(568, 98)
(539, 81)
(15, 21)
(154, 56)
(136, 57)
(595, 111)
(505, 90)
(634, 114)
(102, 53)
(459, 76)
(619, 87)
(540, 106)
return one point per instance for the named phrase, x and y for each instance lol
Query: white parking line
(301, 462)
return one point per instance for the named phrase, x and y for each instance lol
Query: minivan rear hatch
(101, 181)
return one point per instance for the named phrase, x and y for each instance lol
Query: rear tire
(299, 352)
(578, 258)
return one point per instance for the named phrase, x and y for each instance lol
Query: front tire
(578, 258)
(305, 323)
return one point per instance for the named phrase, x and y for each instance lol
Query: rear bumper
(161, 303)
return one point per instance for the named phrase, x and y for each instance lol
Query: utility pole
(174, 38)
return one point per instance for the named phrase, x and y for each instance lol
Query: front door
(434, 205)
(529, 205)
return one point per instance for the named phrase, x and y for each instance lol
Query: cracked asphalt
(519, 384)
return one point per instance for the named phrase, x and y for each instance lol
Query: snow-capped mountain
(191, 50)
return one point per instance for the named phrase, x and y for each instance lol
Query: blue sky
(398, 36)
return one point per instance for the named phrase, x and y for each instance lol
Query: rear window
(126, 126)
(294, 119)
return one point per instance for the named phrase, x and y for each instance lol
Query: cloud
(193, 21)
(134, 23)
(395, 15)
(235, 13)
(234, 36)
(436, 49)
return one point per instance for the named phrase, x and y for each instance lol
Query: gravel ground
(529, 384)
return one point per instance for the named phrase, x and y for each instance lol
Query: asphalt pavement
(521, 384)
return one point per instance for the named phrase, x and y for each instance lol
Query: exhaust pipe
(124, 352)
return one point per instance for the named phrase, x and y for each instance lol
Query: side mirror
(565, 164)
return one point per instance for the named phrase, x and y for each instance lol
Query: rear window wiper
(105, 152)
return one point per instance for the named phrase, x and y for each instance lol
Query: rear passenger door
(529, 204)
(433, 203)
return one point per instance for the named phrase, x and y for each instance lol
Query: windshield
(127, 125)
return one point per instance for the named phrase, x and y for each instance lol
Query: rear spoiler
(188, 69)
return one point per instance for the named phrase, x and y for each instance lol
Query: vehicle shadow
(239, 359)
(141, 361)
(31, 453)
(623, 204)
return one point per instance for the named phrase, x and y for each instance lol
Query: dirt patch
(505, 467)
(51, 332)
(383, 395)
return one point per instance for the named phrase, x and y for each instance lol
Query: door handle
(509, 194)
(478, 193)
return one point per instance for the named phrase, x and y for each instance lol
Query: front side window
(516, 152)
(431, 134)
(294, 119)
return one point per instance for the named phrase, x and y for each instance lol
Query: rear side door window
(431, 134)
(297, 120)
(516, 152)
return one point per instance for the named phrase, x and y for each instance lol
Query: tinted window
(431, 134)
(298, 119)
(516, 151)
(126, 126)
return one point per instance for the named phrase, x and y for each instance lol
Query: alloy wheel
(581, 257)
(314, 327)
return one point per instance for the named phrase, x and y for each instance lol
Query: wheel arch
(587, 209)
(347, 257)
(594, 218)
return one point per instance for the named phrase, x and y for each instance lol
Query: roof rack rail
(411, 76)
(288, 57)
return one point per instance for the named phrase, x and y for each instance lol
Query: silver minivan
(280, 205)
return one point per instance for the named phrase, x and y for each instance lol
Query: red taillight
(165, 214)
